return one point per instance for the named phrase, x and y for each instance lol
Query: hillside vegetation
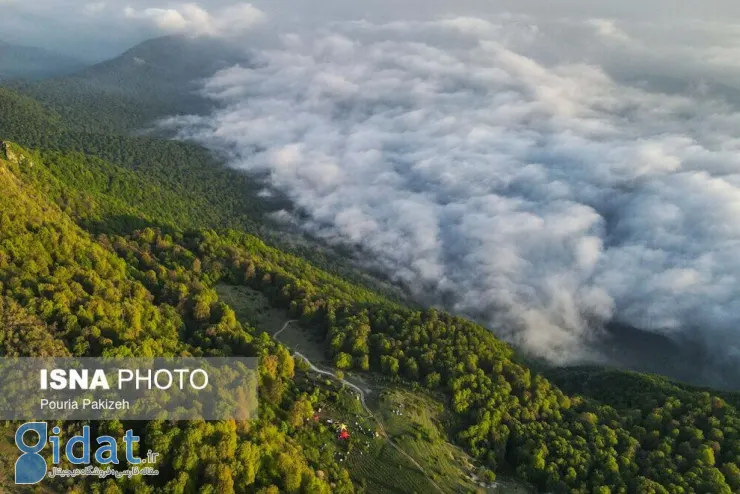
(152, 293)
(156, 78)
(114, 245)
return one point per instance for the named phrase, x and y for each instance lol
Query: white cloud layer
(545, 170)
(192, 19)
(478, 164)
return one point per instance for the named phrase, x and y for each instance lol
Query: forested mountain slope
(159, 77)
(66, 292)
(203, 193)
(227, 196)
(151, 292)
(113, 244)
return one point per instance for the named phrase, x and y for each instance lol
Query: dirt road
(362, 394)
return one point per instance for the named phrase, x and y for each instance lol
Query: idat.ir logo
(31, 468)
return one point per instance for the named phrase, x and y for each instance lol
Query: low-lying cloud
(544, 189)
(194, 20)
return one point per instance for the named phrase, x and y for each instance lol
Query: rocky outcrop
(8, 153)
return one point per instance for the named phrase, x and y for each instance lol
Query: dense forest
(151, 292)
(67, 292)
(142, 180)
(113, 245)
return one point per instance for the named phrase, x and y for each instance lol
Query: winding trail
(362, 394)
(284, 327)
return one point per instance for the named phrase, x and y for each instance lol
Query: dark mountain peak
(175, 58)
(154, 79)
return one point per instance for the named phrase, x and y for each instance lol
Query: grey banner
(188, 388)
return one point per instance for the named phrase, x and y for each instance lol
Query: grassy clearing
(509, 486)
(418, 429)
(383, 470)
(304, 339)
(414, 421)
(374, 464)
(252, 307)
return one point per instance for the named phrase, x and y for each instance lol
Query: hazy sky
(97, 29)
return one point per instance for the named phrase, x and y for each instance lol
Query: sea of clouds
(545, 177)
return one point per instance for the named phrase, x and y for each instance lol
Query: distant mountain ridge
(155, 78)
(28, 62)
(173, 59)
